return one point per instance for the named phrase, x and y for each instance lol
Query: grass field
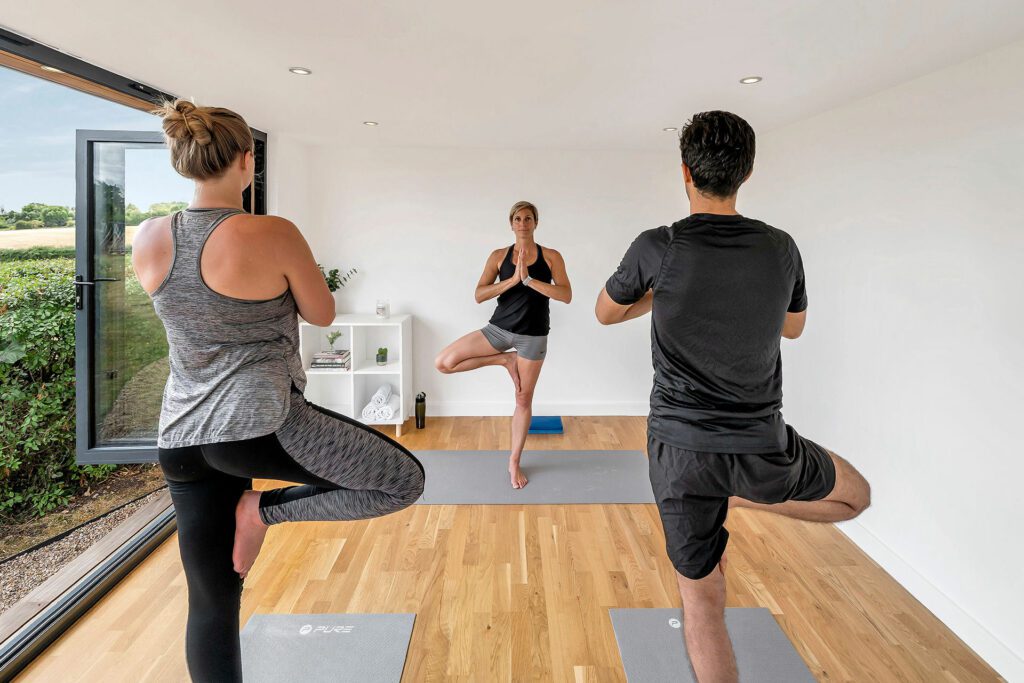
(48, 237)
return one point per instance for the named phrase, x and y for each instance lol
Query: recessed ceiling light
(669, 129)
(51, 69)
(370, 123)
(751, 79)
(300, 70)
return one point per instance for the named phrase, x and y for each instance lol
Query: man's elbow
(792, 334)
(604, 317)
(793, 325)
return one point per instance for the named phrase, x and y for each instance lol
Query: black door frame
(18, 650)
(86, 451)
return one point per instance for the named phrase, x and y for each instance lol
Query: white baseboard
(1009, 665)
(488, 408)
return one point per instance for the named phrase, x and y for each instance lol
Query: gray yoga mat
(555, 477)
(315, 648)
(653, 649)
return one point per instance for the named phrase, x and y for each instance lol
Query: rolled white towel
(369, 412)
(382, 395)
(388, 412)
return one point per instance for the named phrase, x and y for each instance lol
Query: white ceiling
(521, 74)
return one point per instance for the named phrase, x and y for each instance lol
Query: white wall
(420, 223)
(911, 365)
(906, 208)
(288, 177)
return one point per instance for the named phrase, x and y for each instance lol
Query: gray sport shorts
(530, 348)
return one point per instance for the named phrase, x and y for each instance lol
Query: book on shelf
(341, 367)
(332, 360)
(332, 355)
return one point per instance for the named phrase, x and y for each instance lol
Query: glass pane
(130, 362)
(44, 492)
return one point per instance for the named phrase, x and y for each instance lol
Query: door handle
(80, 283)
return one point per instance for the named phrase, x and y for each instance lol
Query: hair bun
(184, 121)
(203, 141)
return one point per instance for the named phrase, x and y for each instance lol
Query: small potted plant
(333, 337)
(335, 280)
(382, 355)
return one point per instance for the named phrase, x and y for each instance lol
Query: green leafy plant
(333, 337)
(335, 280)
(37, 389)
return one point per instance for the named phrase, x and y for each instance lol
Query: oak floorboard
(518, 593)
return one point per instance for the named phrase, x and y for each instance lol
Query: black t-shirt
(722, 288)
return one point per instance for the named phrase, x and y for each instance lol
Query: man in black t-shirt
(722, 289)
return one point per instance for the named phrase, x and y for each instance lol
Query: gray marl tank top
(233, 361)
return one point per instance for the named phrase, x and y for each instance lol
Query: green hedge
(36, 253)
(37, 388)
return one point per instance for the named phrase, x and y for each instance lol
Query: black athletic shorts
(692, 489)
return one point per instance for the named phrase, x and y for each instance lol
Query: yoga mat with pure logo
(315, 648)
(653, 649)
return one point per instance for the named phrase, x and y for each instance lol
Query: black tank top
(522, 310)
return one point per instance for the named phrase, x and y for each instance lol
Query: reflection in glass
(131, 353)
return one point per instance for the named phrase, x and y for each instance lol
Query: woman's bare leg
(529, 372)
(249, 532)
(473, 351)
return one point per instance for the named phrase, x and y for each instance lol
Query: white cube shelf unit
(348, 391)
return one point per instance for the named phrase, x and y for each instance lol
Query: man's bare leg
(850, 497)
(707, 640)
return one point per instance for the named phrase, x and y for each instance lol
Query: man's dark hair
(718, 148)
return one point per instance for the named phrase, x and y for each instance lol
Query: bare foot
(518, 478)
(249, 532)
(513, 368)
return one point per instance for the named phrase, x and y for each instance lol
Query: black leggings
(347, 472)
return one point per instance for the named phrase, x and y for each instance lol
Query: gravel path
(20, 575)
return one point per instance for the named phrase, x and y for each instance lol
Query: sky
(38, 120)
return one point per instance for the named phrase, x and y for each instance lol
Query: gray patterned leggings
(346, 471)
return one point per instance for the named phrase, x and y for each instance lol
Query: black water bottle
(421, 410)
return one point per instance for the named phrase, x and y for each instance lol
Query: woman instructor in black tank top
(524, 277)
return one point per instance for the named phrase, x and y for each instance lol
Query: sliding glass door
(121, 349)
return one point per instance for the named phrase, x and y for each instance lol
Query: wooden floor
(509, 593)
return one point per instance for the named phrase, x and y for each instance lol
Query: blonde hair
(204, 141)
(519, 206)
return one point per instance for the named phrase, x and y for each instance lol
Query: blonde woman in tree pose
(227, 286)
(524, 277)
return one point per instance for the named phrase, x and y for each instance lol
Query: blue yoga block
(546, 425)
